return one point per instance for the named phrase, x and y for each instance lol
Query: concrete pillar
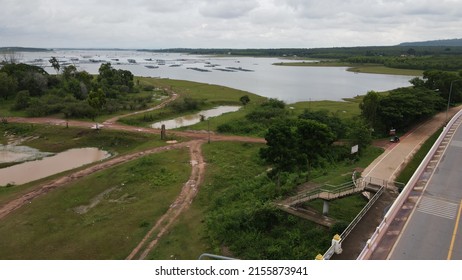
(336, 244)
(325, 208)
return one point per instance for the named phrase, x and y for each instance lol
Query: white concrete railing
(382, 228)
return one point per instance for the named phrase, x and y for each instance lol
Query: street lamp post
(449, 97)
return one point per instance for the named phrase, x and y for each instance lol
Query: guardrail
(389, 216)
(327, 192)
(328, 254)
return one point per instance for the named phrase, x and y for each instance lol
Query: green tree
(359, 133)
(369, 107)
(322, 116)
(405, 107)
(55, 64)
(296, 145)
(22, 100)
(69, 72)
(282, 149)
(97, 99)
(34, 82)
(314, 141)
(244, 99)
(8, 85)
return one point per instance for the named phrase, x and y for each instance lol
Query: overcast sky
(226, 23)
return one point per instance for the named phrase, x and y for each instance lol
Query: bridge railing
(328, 254)
(389, 216)
(327, 192)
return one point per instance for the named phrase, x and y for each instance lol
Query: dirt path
(121, 127)
(181, 204)
(172, 97)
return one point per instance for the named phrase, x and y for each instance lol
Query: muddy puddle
(33, 170)
(195, 118)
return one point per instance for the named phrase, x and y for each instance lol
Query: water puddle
(33, 170)
(195, 118)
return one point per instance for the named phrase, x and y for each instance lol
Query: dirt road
(181, 204)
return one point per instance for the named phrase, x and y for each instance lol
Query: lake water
(291, 84)
(33, 170)
(195, 118)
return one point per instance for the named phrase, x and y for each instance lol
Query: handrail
(345, 188)
(328, 254)
(402, 197)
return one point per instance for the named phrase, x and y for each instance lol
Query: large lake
(291, 84)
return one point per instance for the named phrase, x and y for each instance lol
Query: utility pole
(208, 129)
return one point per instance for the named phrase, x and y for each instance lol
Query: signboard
(354, 149)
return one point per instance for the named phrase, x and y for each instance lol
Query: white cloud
(223, 23)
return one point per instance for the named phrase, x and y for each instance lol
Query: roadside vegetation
(407, 172)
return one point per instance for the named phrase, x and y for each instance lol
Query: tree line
(404, 107)
(71, 92)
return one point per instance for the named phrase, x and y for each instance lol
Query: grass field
(358, 68)
(121, 205)
(343, 109)
(211, 95)
(227, 163)
(51, 138)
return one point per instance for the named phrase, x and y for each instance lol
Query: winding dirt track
(182, 202)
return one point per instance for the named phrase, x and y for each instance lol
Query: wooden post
(162, 132)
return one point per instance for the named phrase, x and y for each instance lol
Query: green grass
(343, 109)
(380, 69)
(212, 95)
(344, 209)
(215, 94)
(416, 160)
(5, 110)
(358, 68)
(341, 172)
(52, 138)
(139, 193)
(227, 164)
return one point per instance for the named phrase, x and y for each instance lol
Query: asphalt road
(433, 230)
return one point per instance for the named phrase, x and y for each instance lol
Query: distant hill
(21, 49)
(435, 43)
